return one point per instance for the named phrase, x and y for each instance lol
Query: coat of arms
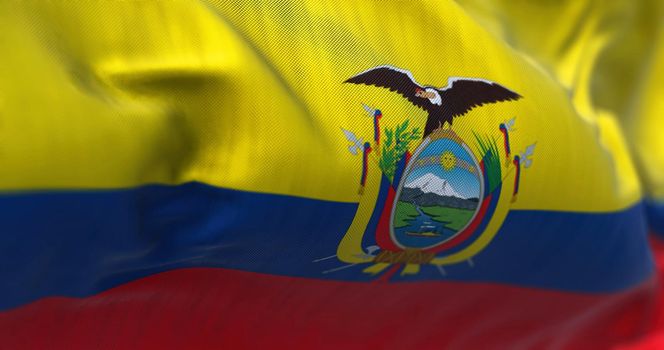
(429, 198)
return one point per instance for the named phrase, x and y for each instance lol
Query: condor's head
(429, 93)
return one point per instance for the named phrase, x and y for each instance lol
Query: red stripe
(655, 338)
(226, 309)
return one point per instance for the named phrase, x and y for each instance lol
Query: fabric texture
(351, 174)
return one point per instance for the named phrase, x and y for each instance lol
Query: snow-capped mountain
(430, 183)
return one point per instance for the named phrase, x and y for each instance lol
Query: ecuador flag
(351, 174)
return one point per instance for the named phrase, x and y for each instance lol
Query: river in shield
(423, 231)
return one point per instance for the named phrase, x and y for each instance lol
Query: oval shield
(439, 194)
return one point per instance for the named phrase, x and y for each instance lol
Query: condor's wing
(463, 94)
(394, 79)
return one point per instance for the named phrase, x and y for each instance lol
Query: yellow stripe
(645, 124)
(250, 96)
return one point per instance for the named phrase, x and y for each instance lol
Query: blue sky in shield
(462, 181)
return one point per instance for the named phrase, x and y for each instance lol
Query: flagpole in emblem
(376, 114)
(437, 199)
(519, 160)
(505, 129)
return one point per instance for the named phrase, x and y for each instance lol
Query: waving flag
(185, 174)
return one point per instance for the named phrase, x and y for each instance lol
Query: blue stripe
(655, 212)
(81, 243)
